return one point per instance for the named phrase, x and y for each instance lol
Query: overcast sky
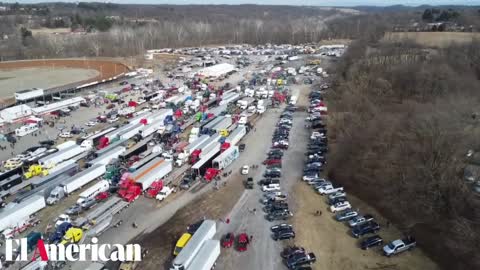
(281, 2)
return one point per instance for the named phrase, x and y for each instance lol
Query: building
(216, 70)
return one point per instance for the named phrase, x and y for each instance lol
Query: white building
(216, 70)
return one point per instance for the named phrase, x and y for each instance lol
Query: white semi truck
(76, 182)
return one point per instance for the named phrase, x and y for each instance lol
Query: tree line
(402, 125)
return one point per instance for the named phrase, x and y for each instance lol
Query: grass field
(432, 39)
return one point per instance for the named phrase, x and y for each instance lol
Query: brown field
(106, 69)
(54, 73)
(431, 39)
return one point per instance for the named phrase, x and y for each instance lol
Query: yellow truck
(35, 170)
(181, 243)
(224, 133)
(73, 235)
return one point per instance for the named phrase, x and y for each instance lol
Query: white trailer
(92, 191)
(194, 145)
(107, 157)
(132, 131)
(236, 135)
(151, 172)
(206, 156)
(224, 124)
(230, 98)
(76, 182)
(207, 256)
(62, 155)
(14, 214)
(226, 158)
(214, 122)
(65, 145)
(205, 232)
(150, 129)
(207, 145)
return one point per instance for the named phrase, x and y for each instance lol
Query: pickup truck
(399, 246)
(164, 193)
(329, 189)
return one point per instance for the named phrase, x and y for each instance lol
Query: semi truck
(195, 144)
(107, 157)
(62, 155)
(204, 148)
(245, 102)
(139, 164)
(139, 148)
(76, 182)
(92, 191)
(133, 184)
(207, 256)
(224, 124)
(229, 98)
(205, 232)
(205, 162)
(93, 139)
(236, 135)
(208, 126)
(226, 158)
(17, 213)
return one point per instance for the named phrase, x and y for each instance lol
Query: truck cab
(56, 195)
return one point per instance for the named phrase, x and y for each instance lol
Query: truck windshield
(391, 246)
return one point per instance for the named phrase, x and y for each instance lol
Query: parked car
(88, 203)
(300, 259)
(66, 134)
(74, 210)
(365, 228)
(346, 215)
(227, 240)
(370, 242)
(284, 234)
(329, 189)
(399, 246)
(245, 169)
(281, 226)
(337, 200)
(340, 206)
(337, 194)
(242, 242)
(310, 177)
(290, 251)
(271, 187)
(281, 215)
(359, 220)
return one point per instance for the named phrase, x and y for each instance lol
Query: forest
(404, 119)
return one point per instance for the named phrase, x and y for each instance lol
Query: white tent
(216, 70)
